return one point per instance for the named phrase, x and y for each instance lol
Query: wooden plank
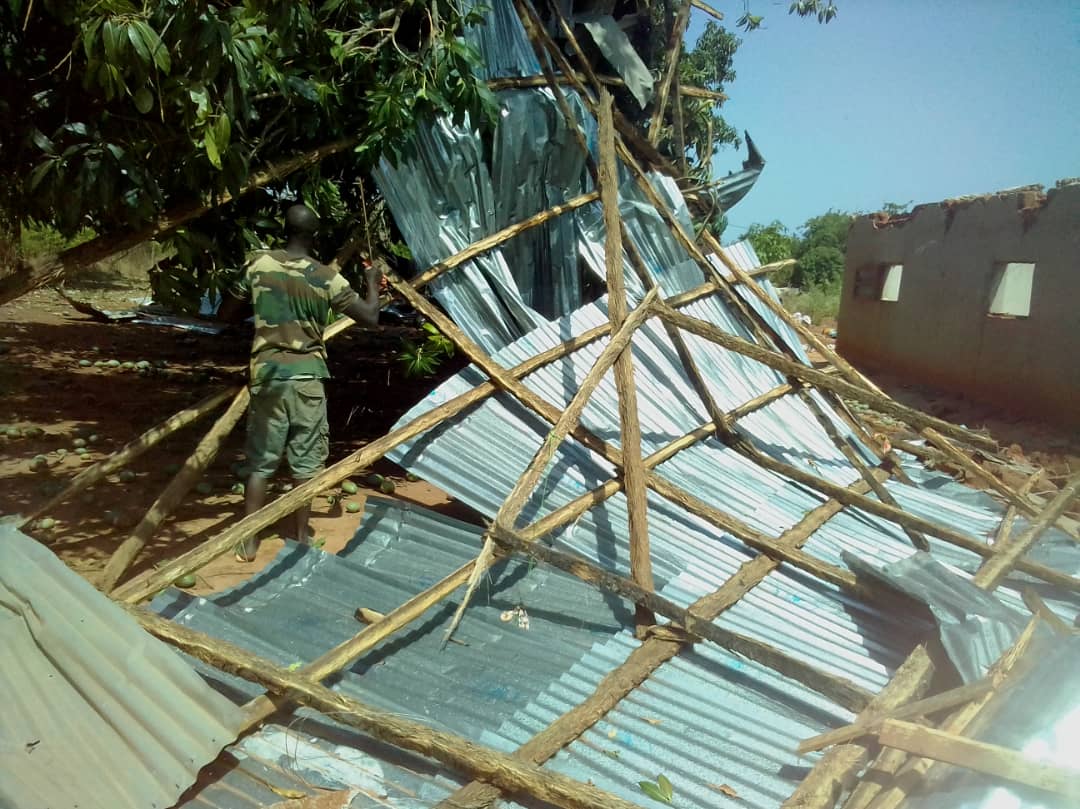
(712, 12)
(990, 759)
(836, 769)
(921, 707)
(461, 755)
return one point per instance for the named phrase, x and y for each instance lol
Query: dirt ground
(43, 340)
(48, 381)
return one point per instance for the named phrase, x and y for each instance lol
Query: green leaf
(222, 132)
(144, 100)
(653, 791)
(40, 172)
(111, 37)
(665, 787)
(154, 46)
(141, 46)
(211, 147)
(42, 142)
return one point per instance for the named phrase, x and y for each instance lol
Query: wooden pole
(644, 660)
(663, 86)
(133, 449)
(566, 422)
(991, 759)
(1009, 554)
(342, 655)
(838, 689)
(822, 787)
(1004, 530)
(629, 427)
(712, 12)
(460, 754)
(189, 474)
(106, 245)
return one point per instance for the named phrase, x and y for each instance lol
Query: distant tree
(772, 242)
(820, 251)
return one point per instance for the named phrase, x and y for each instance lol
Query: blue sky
(902, 100)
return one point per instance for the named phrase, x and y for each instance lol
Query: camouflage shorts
(287, 417)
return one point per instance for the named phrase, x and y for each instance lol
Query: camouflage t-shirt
(292, 299)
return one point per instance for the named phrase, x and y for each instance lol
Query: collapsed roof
(671, 448)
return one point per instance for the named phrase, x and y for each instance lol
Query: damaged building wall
(977, 296)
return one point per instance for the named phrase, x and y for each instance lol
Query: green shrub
(820, 266)
(819, 302)
(41, 239)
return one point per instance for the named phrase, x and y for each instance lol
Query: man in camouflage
(292, 295)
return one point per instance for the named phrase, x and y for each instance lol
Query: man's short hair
(301, 220)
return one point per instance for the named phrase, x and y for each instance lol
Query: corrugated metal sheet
(97, 713)
(706, 718)
(509, 683)
(310, 756)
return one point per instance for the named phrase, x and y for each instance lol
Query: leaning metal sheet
(97, 713)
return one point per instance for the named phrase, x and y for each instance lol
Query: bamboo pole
(149, 583)
(663, 85)
(1011, 495)
(644, 660)
(822, 787)
(629, 427)
(566, 422)
(455, 752)
(839, 689)
(190, 473)
(895, 775)
(106, 245)
(133, 449)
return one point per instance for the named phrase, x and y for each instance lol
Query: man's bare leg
(303, 515)
(254, 499)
